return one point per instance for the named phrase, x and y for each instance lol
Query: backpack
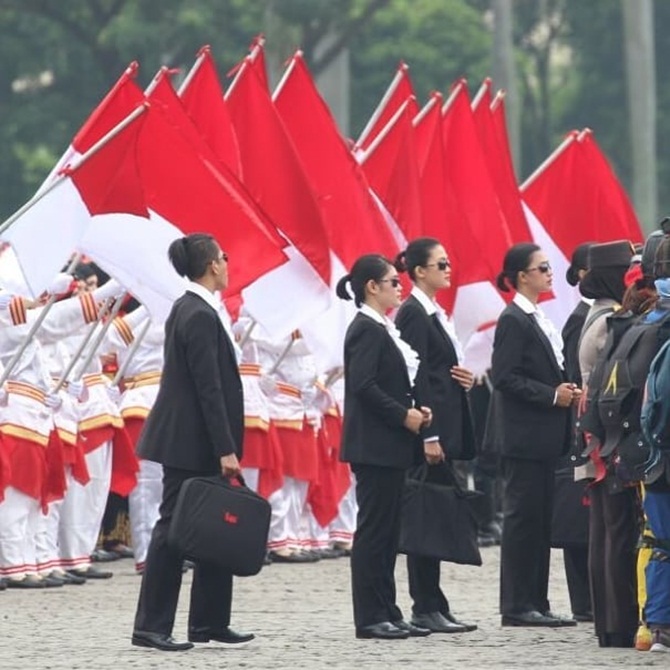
(620, 396)
(655, 415)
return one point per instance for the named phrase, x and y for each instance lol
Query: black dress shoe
(467, 627)
(26, 583)
(104, 556)
(92, 573)
(436, 622)
(51, 581)
(69, 578)
(160, 641)
(224, 636)
(329, 553)
(414, 631)
(381, 631)
(531, 618)
(3, 584)
(290, 558)
(564, 620)
(583, 617)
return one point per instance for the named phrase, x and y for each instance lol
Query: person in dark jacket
(530, 408)
(194, 429)
(571, 516)
(442, 384)
(380, 440)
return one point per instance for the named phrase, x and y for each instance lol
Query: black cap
(610, 254)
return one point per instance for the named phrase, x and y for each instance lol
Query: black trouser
(613, 540)
(576, 560)
(424, 573)
(373, 554)
(526, 539)
(211, 589)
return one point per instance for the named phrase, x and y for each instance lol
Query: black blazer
(435, 387)
(198, 415)
(525, 375)
(377, 395)
(571, 333)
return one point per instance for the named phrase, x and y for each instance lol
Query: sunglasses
(440, 265)
(394, 281)
(543, 268)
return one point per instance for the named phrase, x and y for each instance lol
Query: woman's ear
(371, 287)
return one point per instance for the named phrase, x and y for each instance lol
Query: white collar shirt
(545, 324)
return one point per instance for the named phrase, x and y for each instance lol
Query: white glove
(3, 397)
(308, 395)
(53, 401)
(114, 394)
(313, 418)
(78, 390)
(60, 284)
(268, 384)
(5, 299)
(112, 289)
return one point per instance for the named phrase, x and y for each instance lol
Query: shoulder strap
(591, 320)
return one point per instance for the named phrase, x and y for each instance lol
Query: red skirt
(125, 464)
(321, 494)
(300, 452)
(271, 478)
(73, 455)
(27, 465)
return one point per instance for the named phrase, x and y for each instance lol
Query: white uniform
(140, 388)
(26, 417)
(297, 373)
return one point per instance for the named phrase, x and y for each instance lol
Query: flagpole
(247, 333)
(286, 75)
(281, 358)
(33, 329)
(98, 340)
(240, 70)
(73, 361)
(572, 136)
(131, 352)
(364, 155)
(453, 95)
(202, 54)
(583, 134)
(486, 86)
(67, 171)
(435, 98)
(497, 101)
(402, 69)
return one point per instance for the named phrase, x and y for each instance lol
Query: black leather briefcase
(221, 522)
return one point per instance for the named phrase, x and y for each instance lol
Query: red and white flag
(275, 177)
(101, 186)
(398, 92)
(203, 101)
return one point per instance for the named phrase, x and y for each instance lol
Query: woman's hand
(433, 452)
(463, 376)
(413, 420)
(427, 413)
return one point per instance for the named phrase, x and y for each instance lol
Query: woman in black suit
(442, 384)
(379, 439)
(194, 429)
(531, 415)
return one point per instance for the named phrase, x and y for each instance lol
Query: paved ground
(302, 617)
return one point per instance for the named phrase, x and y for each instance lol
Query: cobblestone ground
(302, 617)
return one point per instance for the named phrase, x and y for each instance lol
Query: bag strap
(591, 320)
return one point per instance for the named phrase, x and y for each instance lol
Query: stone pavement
(302, 617)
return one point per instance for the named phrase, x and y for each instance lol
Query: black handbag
(570, 521)
(221, 522)
(439, 520)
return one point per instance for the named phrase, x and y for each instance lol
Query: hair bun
(502, 283)
(400, 262)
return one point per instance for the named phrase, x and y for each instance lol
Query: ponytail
(191, 255)
(369, 267)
